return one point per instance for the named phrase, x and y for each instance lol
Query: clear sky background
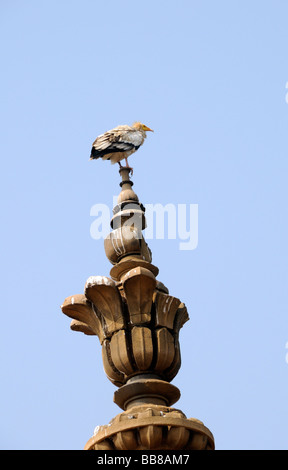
(210, 78)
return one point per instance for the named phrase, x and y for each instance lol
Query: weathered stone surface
(120, 353)
(166, 309)
(142, 347)
(113, 374)
(165, 349)
(125, 241)
(152, 427)
(106, 299)
(137, 322)
(139, 285)
(80, 309)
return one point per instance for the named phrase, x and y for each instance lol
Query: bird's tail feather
(95, 154)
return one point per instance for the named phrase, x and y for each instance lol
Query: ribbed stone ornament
(137, 322)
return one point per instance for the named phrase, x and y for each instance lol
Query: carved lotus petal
(125, 440)
(151, 436)
(78, 308)
(181, 317)
(177, 437)
(104, 445)
(139, 285)
(165, 349)
(76, 325)
(105, 297)
(198, 441)
(113, 374)
(120, 354)
(173, 369)
(166, 309)
(142, 347)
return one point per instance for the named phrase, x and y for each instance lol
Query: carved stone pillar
(137, 322)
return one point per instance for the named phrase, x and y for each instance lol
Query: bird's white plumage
(120, 142)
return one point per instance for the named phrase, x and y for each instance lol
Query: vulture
(118, 143)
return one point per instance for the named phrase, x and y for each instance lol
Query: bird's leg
(127, 166)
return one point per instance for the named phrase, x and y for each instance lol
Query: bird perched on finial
(119, 143)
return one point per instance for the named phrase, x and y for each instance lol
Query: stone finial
(137, 322)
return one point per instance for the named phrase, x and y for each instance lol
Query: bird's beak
(148, 129)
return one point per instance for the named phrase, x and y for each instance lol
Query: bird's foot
(126, 167)
(130, 169)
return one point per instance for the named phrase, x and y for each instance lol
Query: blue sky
(210, 79)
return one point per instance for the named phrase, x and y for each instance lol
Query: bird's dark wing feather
(114, 147)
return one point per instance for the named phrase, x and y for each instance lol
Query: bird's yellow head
(141, 127)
